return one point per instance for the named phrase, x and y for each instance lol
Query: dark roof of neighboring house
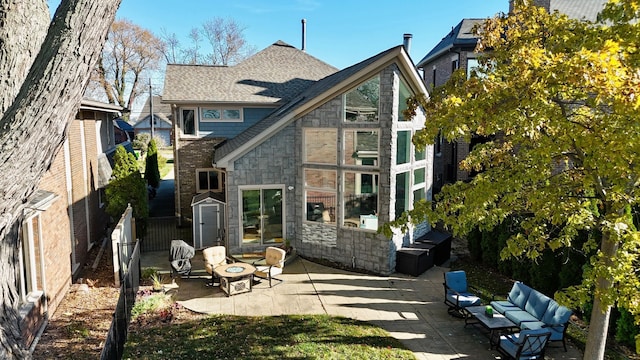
(123, 125)
(460, 36)
(273, 75)
(582, 10)
(311, 93)
(161, 110)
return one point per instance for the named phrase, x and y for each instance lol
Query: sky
(338, 32)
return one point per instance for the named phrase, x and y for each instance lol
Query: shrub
(626, 329)
(127, 187)
(151, 169)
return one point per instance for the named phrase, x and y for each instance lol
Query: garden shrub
(151, 169)
(626, 329)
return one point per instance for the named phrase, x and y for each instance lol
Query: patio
(410, 308)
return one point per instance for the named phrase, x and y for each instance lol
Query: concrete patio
(409, 308)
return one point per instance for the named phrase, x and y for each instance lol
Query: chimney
(304, 34)
(407, 42)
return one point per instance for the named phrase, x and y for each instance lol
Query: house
(123, 130)
(161, 121)
(455, 51)
(300, 152)
(65, 217)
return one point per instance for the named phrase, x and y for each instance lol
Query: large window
(221, 115)
(361, 147)
(360, 199)
(188, 121)
(262, 216)
(362, 103)
(321, 146)
(30, 279)
(405, 94)
(209, 180)
(403, 151)
(320, 193)
(402, 193)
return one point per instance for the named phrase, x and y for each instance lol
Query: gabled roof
(460, 36)
(581, 10)
(123, 125)
(160, 109)
(273, 75)
(320, 92)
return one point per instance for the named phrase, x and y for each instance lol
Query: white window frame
(196, 115)
(222, 118)
(358, 191)
(30, 290)
(199, 188)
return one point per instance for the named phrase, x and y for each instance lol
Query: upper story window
(321, 146)
(188, 121)
(209, 180)
(472, 64)
(362, 103)
(404, 94)
(361, 147)
(403, 150)
(221, 115)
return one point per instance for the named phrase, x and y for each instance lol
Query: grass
(275, 337)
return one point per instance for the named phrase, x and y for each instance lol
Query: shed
(208, 219)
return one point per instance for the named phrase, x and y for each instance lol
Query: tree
(151, 169)
(129, 55)
(126, 187)
(47, 76)
(225, 37)
(560, 98)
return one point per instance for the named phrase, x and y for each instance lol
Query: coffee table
(236, 278)
(496, 325)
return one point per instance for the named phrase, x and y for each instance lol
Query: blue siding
(232, 129)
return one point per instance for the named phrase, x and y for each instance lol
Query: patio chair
(214, 257)
(180, 256)
(456, 293)
(528, 344)
(275, 264)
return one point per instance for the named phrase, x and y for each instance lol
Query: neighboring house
(123, 131)
(286, 148)
(65, 216)
(161, 121)
(457, 51)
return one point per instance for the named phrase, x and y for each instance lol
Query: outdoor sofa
(531, 310)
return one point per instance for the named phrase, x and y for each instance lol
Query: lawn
(274, 337)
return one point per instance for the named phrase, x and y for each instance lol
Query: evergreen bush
(127, 187)
(151, 169)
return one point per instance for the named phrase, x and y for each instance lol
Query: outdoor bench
(530, 309)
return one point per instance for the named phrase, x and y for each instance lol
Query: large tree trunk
(33, 126)
(599, 323)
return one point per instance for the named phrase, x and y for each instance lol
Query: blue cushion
(556, 314)
(519, 316)
(511, 347)
(519, 294)
(464, 299)
(456, 280)
(503, 305)
(536, 304)
(556, 332)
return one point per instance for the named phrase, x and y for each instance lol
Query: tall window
(405, 93)
(262, 216)
(360, 198)
(362, 103)
(361, 147)
(189, 121)
(402, 193)
(320, 188)
(209, 180)
(472, 64)
(403, 151)
(321, 146)
(30, 258)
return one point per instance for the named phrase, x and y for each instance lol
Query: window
(221, 115)
(320, 193)
(404, 94)
(321, 146)
(209, 180)
(403, 151)
(419, 184)
(360, 199)
(402, 193)
(454, 65)
(362, 103)
(31, 261)
(433, 84)
(262, 215)
(472, 64)
(188, 122)
(438, 144)
(361, 147)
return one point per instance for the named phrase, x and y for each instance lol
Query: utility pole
(151, 108)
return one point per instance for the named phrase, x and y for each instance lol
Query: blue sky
(339, 32)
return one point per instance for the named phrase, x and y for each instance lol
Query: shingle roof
(309, 94)
(460, 36)
(275, 74)
(582, 10)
